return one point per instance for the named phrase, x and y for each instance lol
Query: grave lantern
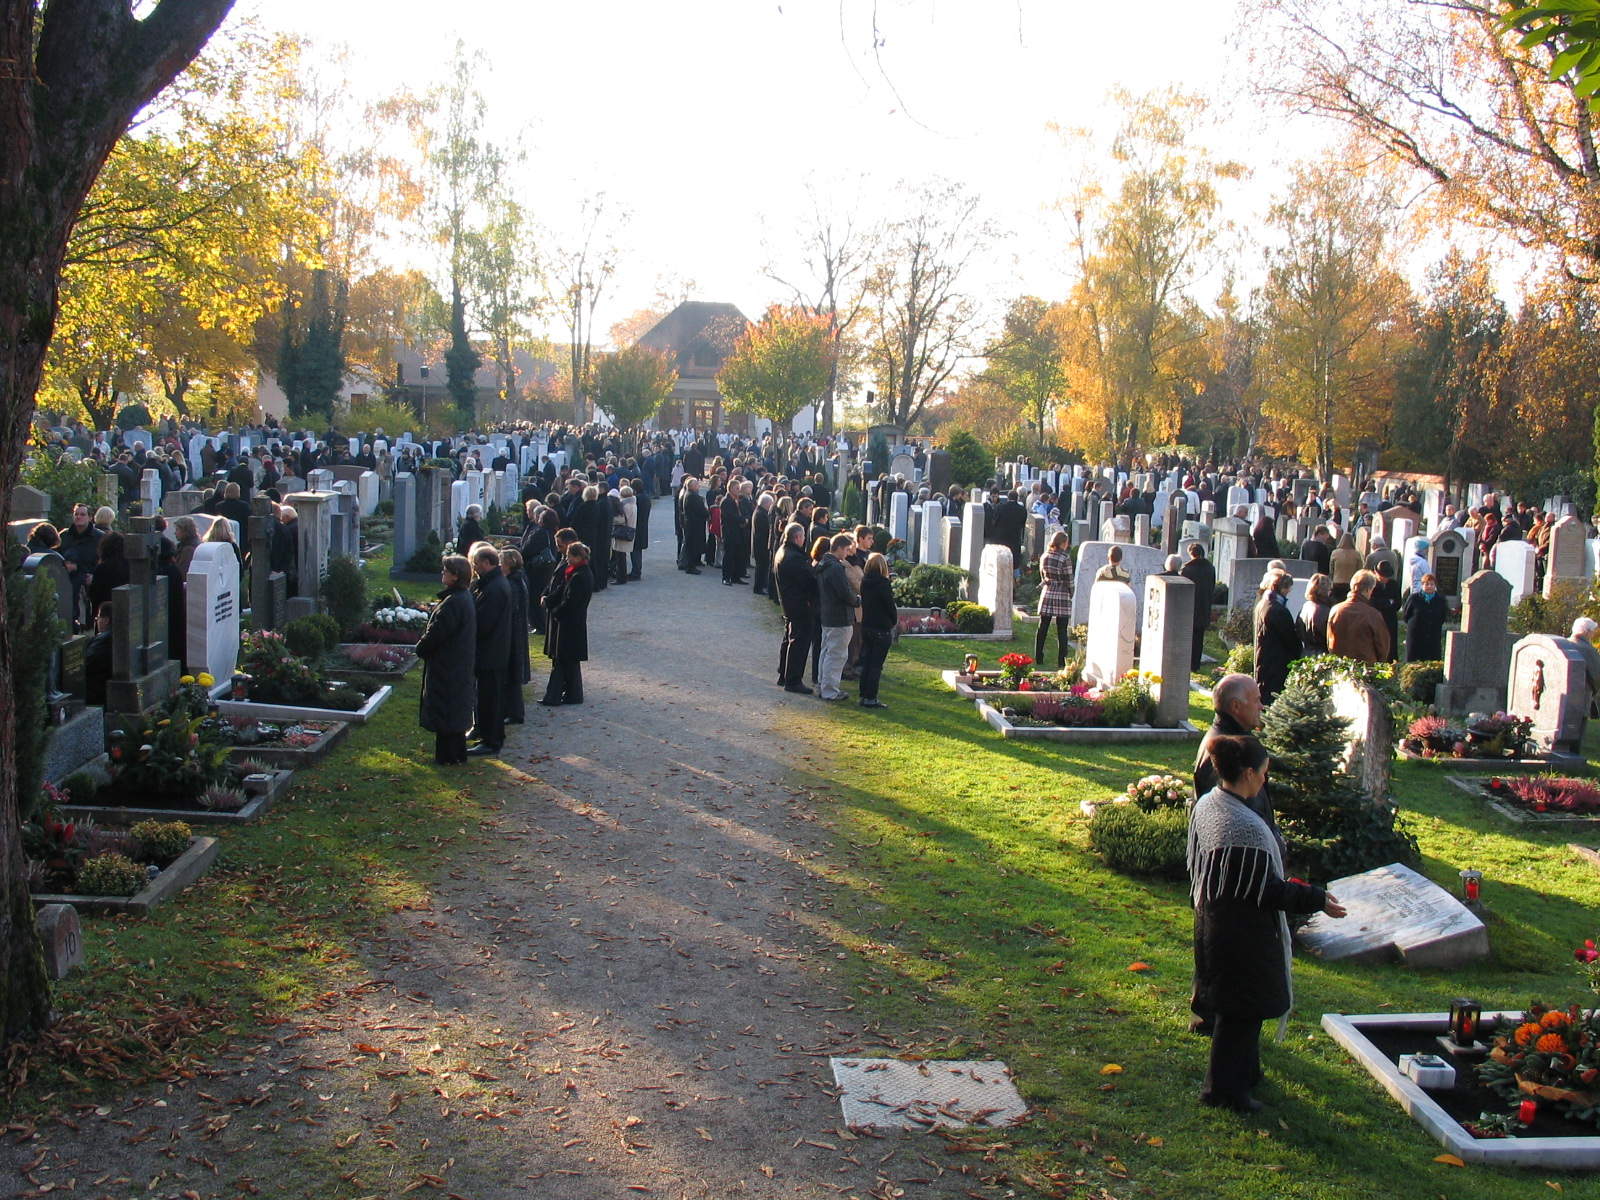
(241, 686)
(1471, 885)
(1464, 1019)
(972, 664)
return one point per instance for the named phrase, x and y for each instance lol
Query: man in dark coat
(761, 544)
(567, 643)
(695, 516)
(1199, 571)
(448, 650)
(735, 536)
(799, 594)
(1315, 549)
(1006, 529)
(491, 595)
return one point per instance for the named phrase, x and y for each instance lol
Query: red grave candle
(1526, 1111)
(1472, 888)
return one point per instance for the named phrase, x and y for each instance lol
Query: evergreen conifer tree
(1331, 827)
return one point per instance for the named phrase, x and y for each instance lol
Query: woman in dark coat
(518, 671)
(471, 532)
(878, 620)
(538, 560)
(1277, 640)
(111, 571)
(1241, 936)
(1424, 614)
(448, 648)
(568, 641)
(1312, 621)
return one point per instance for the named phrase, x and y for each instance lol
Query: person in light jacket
(623, 529)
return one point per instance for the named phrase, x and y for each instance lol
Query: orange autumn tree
(780, 364)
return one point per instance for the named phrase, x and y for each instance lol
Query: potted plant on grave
(1013, 670)
(393, 624)
(78, 858)
(1481, 735)
(277, 676)
(1552, 1055)
(170, 755)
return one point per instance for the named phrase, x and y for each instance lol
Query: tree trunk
(76, 75)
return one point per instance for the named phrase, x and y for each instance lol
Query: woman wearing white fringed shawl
(1241, 934)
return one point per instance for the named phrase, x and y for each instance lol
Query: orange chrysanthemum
(1554, 1020)
(1528, 1032)
(1551, 1043)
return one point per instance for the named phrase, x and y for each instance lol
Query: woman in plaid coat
(1055, 597)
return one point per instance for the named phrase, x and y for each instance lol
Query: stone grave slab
(1548, 685)
(1396, 913)
(996, 583)
(61, 936)
(212, 599)
(1167, 644)
(888, 1093)
(1113, 620)
(1478, 656)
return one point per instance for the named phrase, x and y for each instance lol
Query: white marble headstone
(1113, 622)
(212, 602)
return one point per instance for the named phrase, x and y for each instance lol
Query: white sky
(705, 118)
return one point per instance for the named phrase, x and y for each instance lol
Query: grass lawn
(979, 918)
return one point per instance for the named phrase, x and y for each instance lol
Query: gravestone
(1568, 559)
(951, 537)
(1113, 620)
(433, 504)
(262, 525)
(933, 537)
(315, 531)
(30, 504)
(367, 492)
(972, 530)
(212, 601)
(321, 480)
(107, 491)
(1401, 531)
(914, 537)
(996, 583)
(1394, 913)
(1139, 561)
(1172, 524)
(1230, 541)
(344, 526)
(182, 502)
(1237, 496)
(150, 492)
(54, 568)
(1244, 577)
(1449, 554)
(1166, 645)
(903, 465)
(1547, 685)
(405, 537)
(1118, 529)
(460, 500)
(1369, 742)
(1516, 563)
(1478, 657)
(939, 471)
(142, 673)
(1034, 547)
(899, 507)
(61, 937)
(1141, 530)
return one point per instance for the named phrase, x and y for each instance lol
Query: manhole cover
(920, 1095)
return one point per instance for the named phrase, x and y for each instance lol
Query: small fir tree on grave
(1331, 827)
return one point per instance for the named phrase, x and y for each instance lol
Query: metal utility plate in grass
(1084, 733)
(1560, 1153)
(888, 1093)
(1474, 787)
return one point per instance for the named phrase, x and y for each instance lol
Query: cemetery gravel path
(620, 987)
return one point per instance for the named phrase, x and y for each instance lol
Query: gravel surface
(618, 989)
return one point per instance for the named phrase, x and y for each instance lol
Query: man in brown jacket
(1356, 629)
